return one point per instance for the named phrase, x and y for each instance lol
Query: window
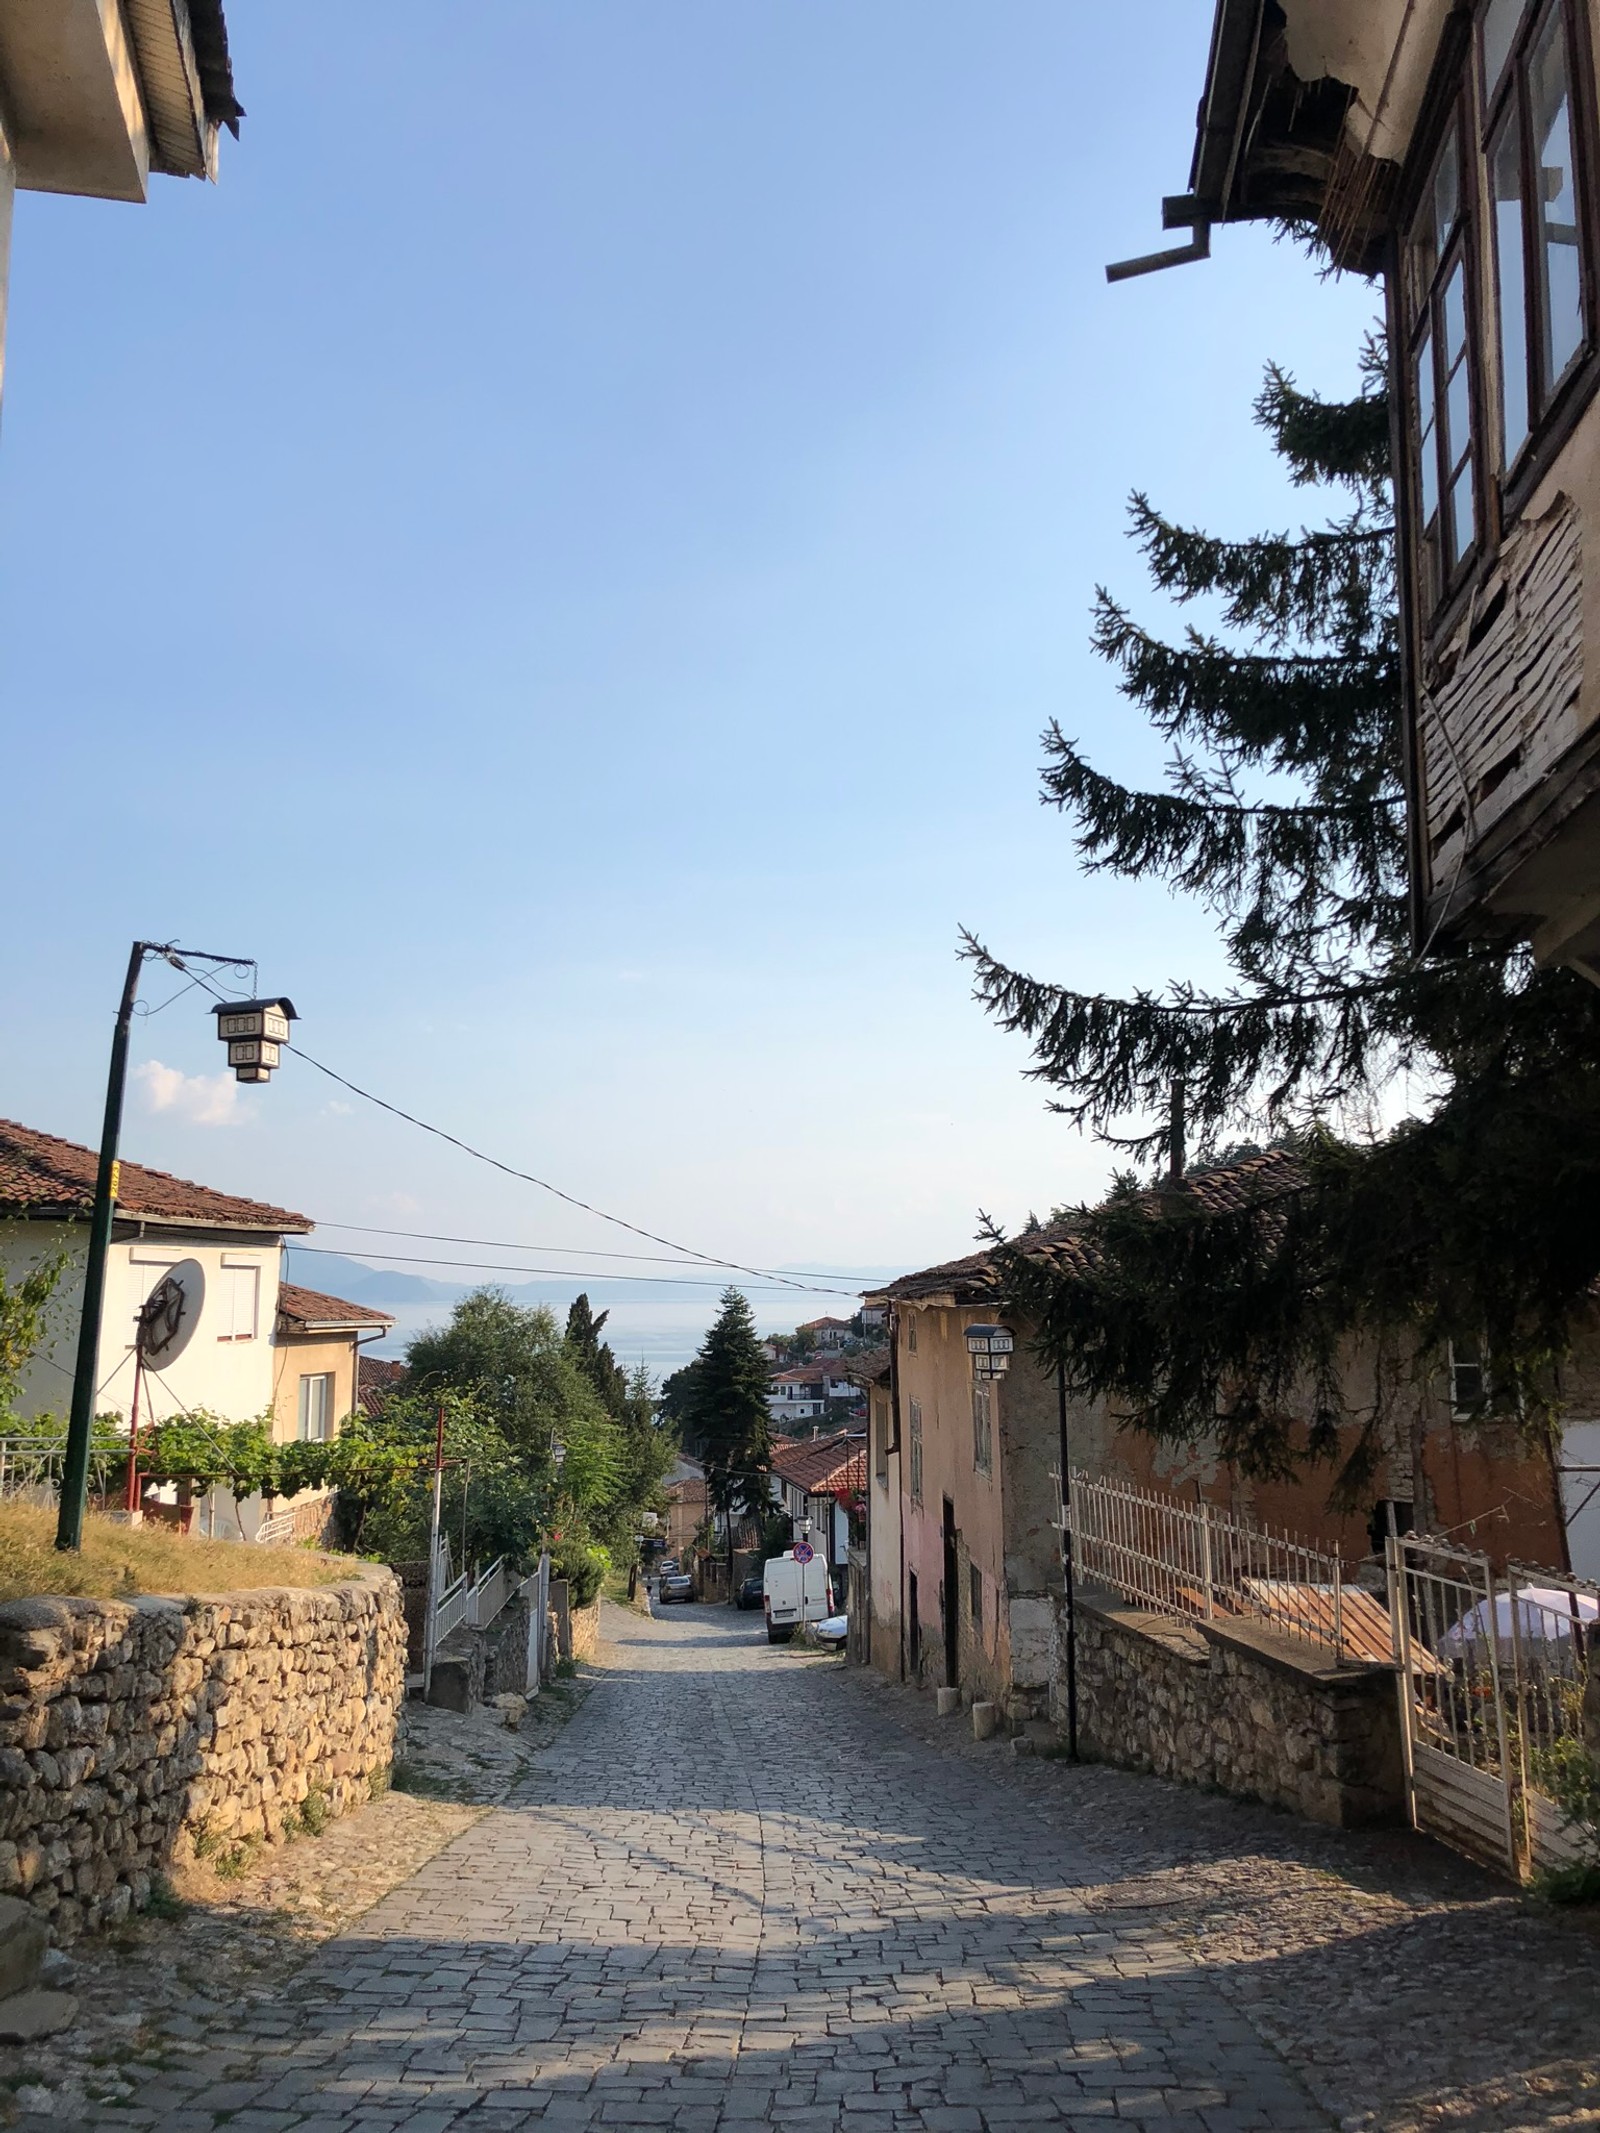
(916, 1451)
(975, 1597)
(982, 1425)
(911, 1335)
(880, 1439)
(1469, 1378)
(1541, 275)
(316, 1408)
(240, 1288)
(1438, 347)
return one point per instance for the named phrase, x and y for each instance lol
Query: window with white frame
(982, 1425)
(238, 1301)
(1469, 1378)
(316, 1407)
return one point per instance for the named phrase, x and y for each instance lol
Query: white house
(258, 1345)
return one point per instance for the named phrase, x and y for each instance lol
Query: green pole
(75, 1469)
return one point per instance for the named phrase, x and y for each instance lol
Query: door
(913, 1628)
(951, 1600)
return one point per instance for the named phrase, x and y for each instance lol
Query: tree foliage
(1283, 812)
(725, 1412)
(26, 1294)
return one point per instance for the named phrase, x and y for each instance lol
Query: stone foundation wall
(1250, 1712)
(130, 1729)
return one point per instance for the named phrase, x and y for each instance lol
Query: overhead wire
(580, 1251)
(510, 1170)
(557, 1273)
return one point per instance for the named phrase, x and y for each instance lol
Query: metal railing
(30, 1467)
(490, 1593)
(275, 1531)
(1185, 1558)
(1493, 1667)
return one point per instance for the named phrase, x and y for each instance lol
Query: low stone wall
(131, 1729)
(577, 1628)
(1242, 1709)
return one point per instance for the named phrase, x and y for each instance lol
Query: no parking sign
(804, 1552)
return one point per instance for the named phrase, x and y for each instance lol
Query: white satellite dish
(170, 1313)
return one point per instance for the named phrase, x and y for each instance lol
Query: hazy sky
(565, 554)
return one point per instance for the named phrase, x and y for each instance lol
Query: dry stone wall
(1264, 1716)
(133, 1731)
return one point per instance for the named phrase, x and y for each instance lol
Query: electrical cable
(579, 1251)
(555, 1273)
(526, 1177)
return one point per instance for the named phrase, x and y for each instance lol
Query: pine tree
(1284, 812)
(593, 1356)
(727, 1414)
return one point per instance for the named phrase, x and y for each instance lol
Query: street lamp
(990, 1348)
(75, 1464)
(253, 1030)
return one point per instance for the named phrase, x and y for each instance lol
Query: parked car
(834, 1632)
(752, 1590)
(666, 1568)
(676, 1585)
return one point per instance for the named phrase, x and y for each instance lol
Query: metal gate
(1492, 1668)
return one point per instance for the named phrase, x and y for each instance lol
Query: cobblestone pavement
(748, 1889)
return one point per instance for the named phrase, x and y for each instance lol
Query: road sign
(804, 1552)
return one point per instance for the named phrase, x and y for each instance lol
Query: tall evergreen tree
(1284, 812)
(727, 1414)
(593, 1356)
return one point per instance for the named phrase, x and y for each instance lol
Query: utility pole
(75, 1466)
(80, 1425)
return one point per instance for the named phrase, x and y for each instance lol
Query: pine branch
(1320, 713)
(1337, 441)
(1334, 586)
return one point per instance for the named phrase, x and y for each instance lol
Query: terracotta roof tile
(379, 1378)
(310, 1307)
(42, 1176)
(820, 1465)
(977, 1278)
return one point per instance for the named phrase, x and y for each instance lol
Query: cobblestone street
(746, 1888)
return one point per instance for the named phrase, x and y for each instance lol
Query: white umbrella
(1544, 1613)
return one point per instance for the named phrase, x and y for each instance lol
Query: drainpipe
(1067, 1570)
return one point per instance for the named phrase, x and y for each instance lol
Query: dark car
(676, 1585)
(753, 1591)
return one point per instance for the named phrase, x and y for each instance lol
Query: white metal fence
(489, 1593)
(30, 1468)
(1184, 1558)
(1494, 1666)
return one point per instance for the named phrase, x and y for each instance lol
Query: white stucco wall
(231, 1377)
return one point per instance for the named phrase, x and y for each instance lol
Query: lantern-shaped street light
(253, 1030)
(558, 1455)
(990, 1348)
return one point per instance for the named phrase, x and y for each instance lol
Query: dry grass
(118, 1561)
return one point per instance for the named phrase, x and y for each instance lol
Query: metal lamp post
(80, 1425)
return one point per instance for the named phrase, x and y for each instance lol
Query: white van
(793, 1593)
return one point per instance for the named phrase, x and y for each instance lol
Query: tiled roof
(1062, 1246)
(378, 1378)
(821, 1464)
(309, 1308)
(42, 1176)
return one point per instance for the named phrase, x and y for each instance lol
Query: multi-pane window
(1469, 1380)
(1437, 311)
(316, 1407)
(982, 1425)
(915, 1419)
(1540, 270)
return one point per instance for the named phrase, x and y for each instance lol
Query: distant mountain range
(336, 1275)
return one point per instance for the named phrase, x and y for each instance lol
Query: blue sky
(565, 554)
